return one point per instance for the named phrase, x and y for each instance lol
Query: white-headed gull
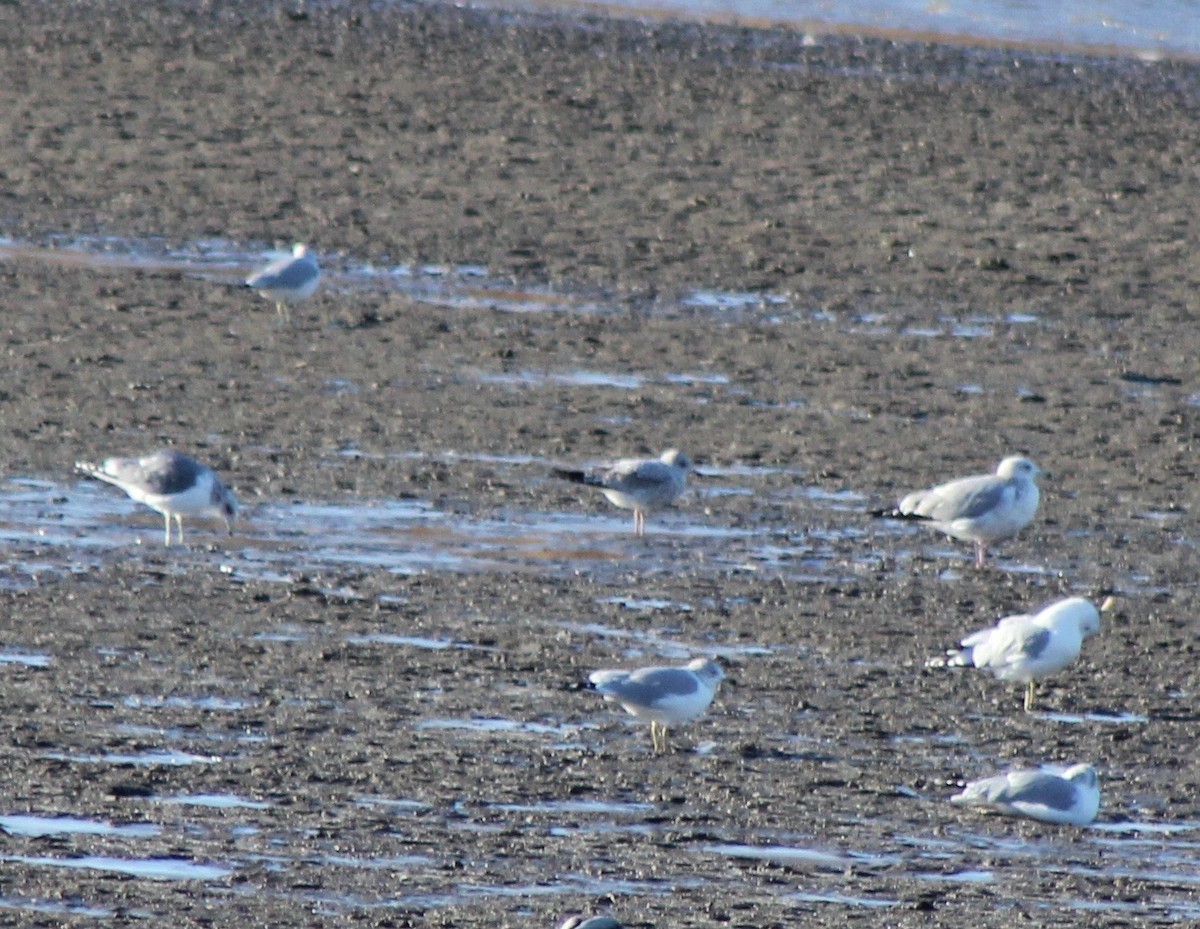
(638, 484)
(1070, 797)
(1027, 648)
(173, 484)
(664, 696)
(288, 280)
(983, 509)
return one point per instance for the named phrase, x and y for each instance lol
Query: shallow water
(1146, 30)
(469, 288)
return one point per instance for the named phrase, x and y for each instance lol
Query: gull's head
(228, 507)
(1017, 466)
(1078, 610)
(299, 250)
(1082, 774)
(676, 459)
(707, 670)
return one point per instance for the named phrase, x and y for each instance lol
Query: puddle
(593, 379)
(168, 759)
(286, 542)
(413, 641)
(843, 900)
(501, 725)
(1135, 827)
(155, 869)
(633, 603)
(208, 704)
(959, 877)
(577, 808)
(282, 635)
(29, 659)
(569, 379)
(801, 857)
(38, 826)
(215, 801)
(188, 734)
(57, 908)
(1116, 719)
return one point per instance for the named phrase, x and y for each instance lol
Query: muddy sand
(831, 270)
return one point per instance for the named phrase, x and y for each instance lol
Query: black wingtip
(576, 477)
(892, 512)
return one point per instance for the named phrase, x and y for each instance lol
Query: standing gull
(638, 484)
(1068, 798)
(1026, 648)
(665, 696)
(288, 280)
(173, 484)
(983, 509)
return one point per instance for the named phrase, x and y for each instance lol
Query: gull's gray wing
(633, 476)
(1038, 787)
(1033, 641)
(649, 686)
(1012, 641)
(286, 273)
(161, 473)
(966, 498)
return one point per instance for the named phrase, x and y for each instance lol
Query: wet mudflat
(831, 273)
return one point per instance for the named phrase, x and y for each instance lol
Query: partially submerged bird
(1027, 648)
(1071, 797)
(664, 696)
(638, 484)
(288, 280)
(171, 483)
(983, 509)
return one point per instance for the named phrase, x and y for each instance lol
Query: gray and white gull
(983, 508)
(170, 483)
(1067, 797)
(638, 484)
(665, 696)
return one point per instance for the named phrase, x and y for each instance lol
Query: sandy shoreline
(970, 253)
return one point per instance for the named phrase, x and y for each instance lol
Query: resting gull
(1070, 797)
(1027, 648)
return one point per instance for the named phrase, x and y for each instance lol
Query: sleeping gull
(288, 280)
(1071, 797)
(638, 484)
(665, 696)
(983, 509)
(1028, 647)
(173, 484)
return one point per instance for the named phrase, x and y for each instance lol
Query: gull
(1070, 797)
(638, 484)
(288, 280)
(665, 696)
(173, 484)
(590, 922)
(1029, 647)
(983, 509)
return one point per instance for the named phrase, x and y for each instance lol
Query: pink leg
(980, 554)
